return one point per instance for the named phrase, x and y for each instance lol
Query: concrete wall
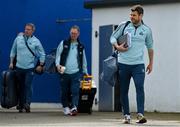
(162, 86)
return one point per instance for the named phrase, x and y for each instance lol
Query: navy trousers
(70, 84)
(137, 72)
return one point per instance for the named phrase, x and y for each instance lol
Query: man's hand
(11, 66)
(121, 47)
(39, 69)
(149, 69)
(86, 74)
(61, 68)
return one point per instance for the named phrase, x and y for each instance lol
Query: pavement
(53, 117)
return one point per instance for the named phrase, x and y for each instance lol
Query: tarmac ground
(54, 117)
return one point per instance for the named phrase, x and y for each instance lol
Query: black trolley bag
(86, 95)
(9, 89)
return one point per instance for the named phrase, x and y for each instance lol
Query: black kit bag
(9, 88)
(86, 95)
(86, 98)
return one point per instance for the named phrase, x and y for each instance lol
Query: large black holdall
(9, 89)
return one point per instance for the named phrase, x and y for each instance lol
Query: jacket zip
(135, 29)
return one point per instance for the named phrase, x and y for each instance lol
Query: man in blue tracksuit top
(131, 62)
(25, 63)
(71, 63)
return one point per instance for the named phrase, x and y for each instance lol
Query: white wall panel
(162, 86)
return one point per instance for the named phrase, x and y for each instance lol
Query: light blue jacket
(25, 59)
(140, 37)
(72, 61)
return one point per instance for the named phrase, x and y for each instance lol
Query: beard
(135, 21)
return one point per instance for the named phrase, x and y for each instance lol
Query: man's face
(28, 31)
(135, 17)
(74, 33)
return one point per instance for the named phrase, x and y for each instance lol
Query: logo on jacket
(141, 33)
(65, 46)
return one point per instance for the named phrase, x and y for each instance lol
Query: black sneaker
(18, 107)
(141, 118)
(27, 108)
(20, 110)
(74, 111)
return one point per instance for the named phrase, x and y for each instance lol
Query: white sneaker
(67, 111)
(141, 118)
(127, 119)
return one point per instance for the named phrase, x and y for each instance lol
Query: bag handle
(126, 24)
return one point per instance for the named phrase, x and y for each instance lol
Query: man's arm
(150, 65)
(84, 63)
(13, 53)
(149, 45)
(114, 36)
(41, 53)
(58, 56)
(120, 47)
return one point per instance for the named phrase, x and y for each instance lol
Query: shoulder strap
(127, 23)
(28, 46)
